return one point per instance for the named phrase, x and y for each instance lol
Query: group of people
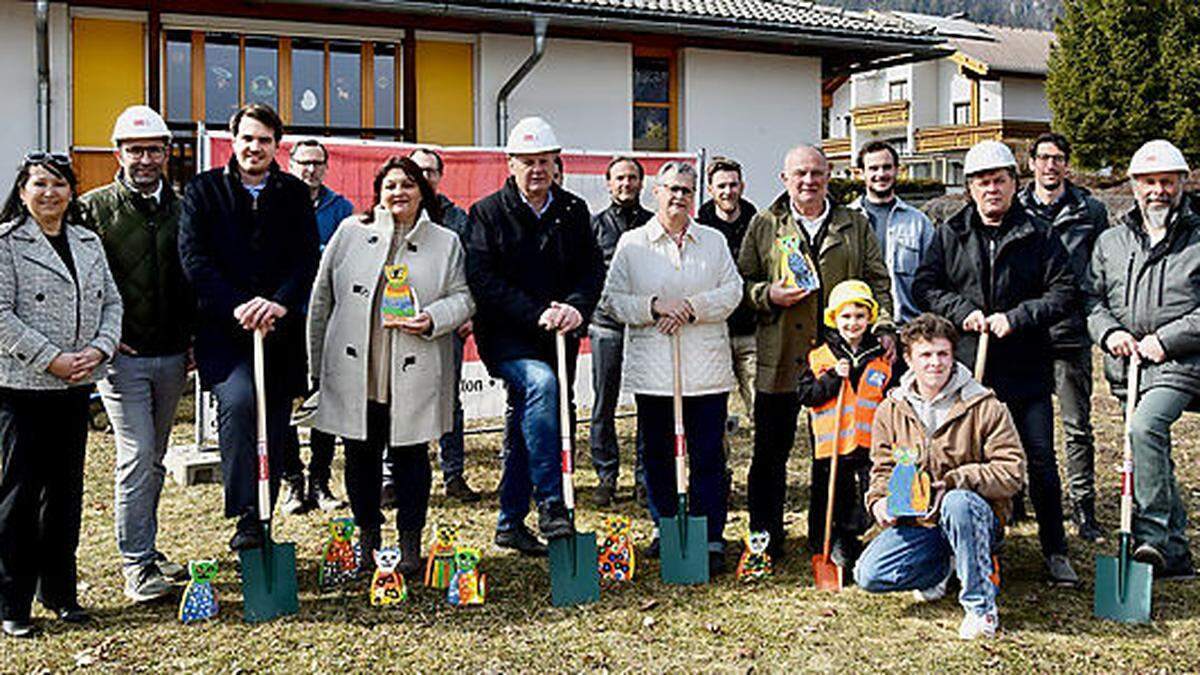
(130, 286)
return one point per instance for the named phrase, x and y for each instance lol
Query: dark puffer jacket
(517, 264)
(1022, 273)
(1147, 289)
(1078, 222)
(140, 242)
(742, 322)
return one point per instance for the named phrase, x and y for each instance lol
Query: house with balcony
(991, 87)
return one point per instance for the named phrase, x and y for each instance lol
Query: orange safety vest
(858, 407)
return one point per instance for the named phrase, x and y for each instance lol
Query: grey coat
(1143, 290)
(42, 314)
(339, 328)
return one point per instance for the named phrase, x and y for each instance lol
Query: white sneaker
(974, 625)
(937, 591)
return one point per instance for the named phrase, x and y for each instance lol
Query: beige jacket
(648, 264)
(339, 316)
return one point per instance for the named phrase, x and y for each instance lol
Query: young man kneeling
(964, 439)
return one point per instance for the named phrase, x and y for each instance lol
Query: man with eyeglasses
(450, 445)
(1078, 219)
(309, 161)
(137, 218)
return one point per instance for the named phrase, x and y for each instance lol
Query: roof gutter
(42, 25)
(518, 76)
(645, 22)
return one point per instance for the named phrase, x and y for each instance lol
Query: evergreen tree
(1122, 72)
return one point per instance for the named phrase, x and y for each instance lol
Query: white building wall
(18, 73)
(751, 107)
(1025, 99)
(953, 88)
(991, 100)
(839, 112)
(925, 94)
(583, 89)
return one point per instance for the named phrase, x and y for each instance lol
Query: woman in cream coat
(675, 275)
(386, 380)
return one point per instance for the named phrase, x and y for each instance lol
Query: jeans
(775, 417)
(745, 349)
(1160, 518)
(1073, 385)
(140, 395)
(409, 465)
(704, 428)
(237, 436)
(531, 463)
(908, 557)
(1034, 419)
(43, 438)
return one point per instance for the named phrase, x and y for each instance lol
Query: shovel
(1123, 586)
(683, 540)
(827, 574)
(981, 355)
(268, 572)
(574, 574)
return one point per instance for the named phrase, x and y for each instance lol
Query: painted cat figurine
(440, 567)
(399, 298)
(387, 586)
(340, 559)
(755, 563)
(199, 600)
(616, 553)
(468, 586)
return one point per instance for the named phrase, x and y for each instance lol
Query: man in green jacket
(841, 245)
(136, 217)
(1144, 304)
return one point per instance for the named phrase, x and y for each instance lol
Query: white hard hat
(531, 136)
(988, 156)
(1157, 156)
(139, 121)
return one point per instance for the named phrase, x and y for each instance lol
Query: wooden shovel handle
(981, 355)
(1131, 395)
(260, 419)
(677, 405)
(833, 468)
(564, 423)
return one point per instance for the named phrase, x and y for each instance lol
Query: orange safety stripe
(858, 412)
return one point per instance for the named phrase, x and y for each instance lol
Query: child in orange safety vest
(851, 359)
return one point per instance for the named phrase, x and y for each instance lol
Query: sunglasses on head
(56, 158)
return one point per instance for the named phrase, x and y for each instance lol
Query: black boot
(410, 552)
(1084, 517)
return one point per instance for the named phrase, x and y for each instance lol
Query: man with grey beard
(1144, 305)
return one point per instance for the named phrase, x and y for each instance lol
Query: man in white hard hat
(534, 269)
(137, 218)
(1145, 305)
(1077, 219)
(991, 267)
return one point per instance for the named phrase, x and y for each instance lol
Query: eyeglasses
(1051, 159)
(310, 163)
(681, 190)
(138, 151)
(55, 158)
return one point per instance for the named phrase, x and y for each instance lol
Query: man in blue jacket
(248, 245)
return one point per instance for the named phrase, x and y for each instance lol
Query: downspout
(42, 22)
(539, 49)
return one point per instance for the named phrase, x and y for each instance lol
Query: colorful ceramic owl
(387, 586)
(909, 486)
(616, 552)
(399, 298)
(468, 586)
(440, 567)
(199, 597)
(340, 560)
(755, 562)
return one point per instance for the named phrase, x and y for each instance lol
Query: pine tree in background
(1122, 72)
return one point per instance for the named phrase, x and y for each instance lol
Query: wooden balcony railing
(881, 115)
(962, 137)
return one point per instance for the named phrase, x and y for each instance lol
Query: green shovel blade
(269, 582)
(574, 571)
(1123, 595)
(683, 549)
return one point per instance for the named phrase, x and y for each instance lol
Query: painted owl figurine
(399, 298)
(755, 563)
(468, 586)
(616, 552)
(440, 567)
(199, 600)
(387, 586)
(340, 560)
(796, 269)
(909, 488)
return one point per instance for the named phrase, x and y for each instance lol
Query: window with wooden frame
(898, 90)
(335, 87)
(655, 99)
(962, 114)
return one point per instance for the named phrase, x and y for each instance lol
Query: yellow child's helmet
(850, 291)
